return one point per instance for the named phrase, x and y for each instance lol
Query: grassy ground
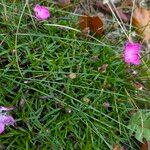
(54, 111)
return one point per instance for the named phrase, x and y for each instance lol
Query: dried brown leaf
(141, 20)
(117, 147)
(144, 146)
(138, 86)
(103, 68)
(93, 23)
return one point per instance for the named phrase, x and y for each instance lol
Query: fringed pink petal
(7, 120)
(2, 108)
(2, 128)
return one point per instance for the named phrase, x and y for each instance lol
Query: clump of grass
(54, 111)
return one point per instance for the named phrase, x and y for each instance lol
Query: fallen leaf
(138, 86)
(117, 147)
(103, 68)
(141, 20)
(144, 146)
(93, 23)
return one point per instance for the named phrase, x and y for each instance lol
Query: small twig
(131, 18)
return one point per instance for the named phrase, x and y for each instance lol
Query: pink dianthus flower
(41, 12)
(132, 53)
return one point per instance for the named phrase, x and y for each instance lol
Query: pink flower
(41, 12)
(132, 53)
(5, 119)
